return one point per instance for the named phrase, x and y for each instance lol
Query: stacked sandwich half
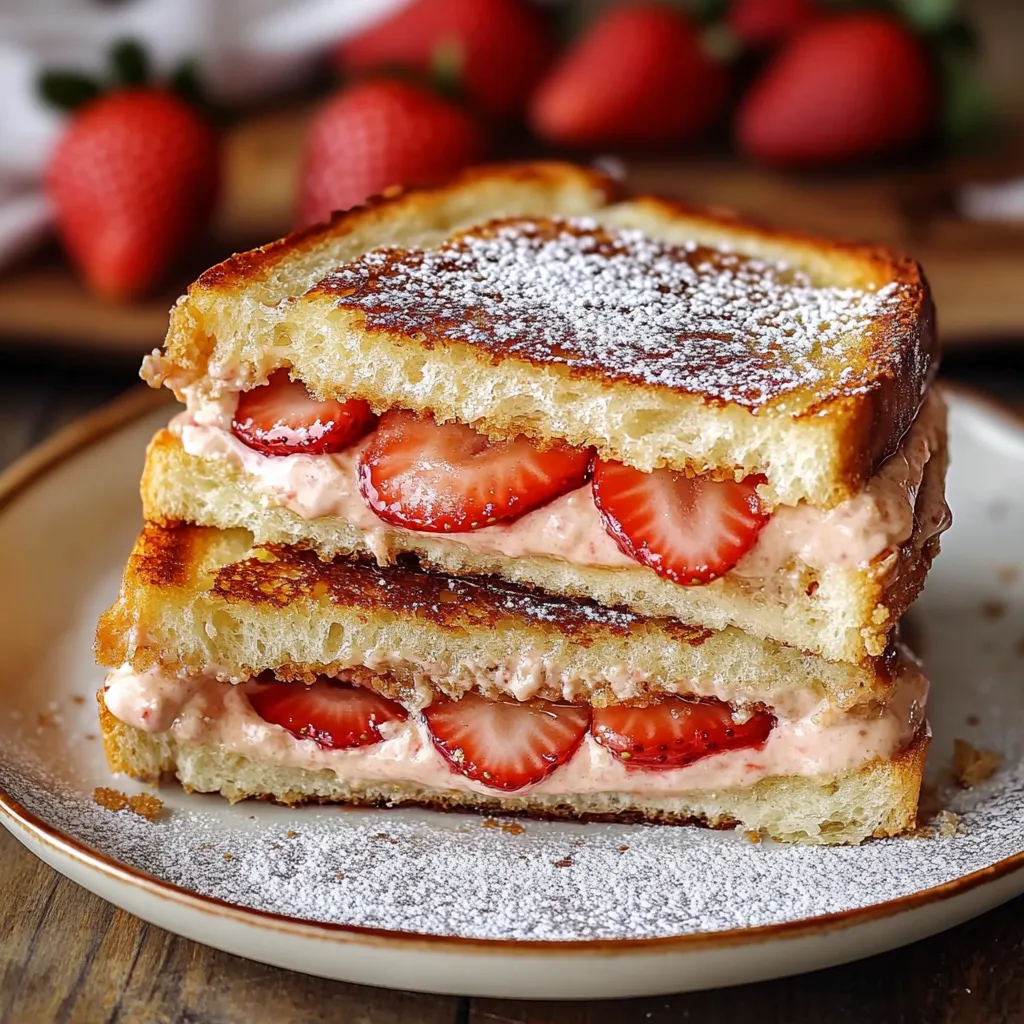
(518, 494)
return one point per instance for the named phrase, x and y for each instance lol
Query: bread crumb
(752, 836)
(490, 823)
(623, 848)
(945, 825)
(228, 856)
(146, 806)
(78, 698)
(111, 799)
(993, 610)
(565, 862)
(44, 721)
(513, 828)
(291, 834)
(1008, 573)
(972, 766)
(340, 875)
(90, 736)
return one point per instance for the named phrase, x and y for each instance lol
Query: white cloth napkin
(246, 49)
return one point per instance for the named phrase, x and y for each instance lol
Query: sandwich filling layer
(856, 533)
(424, 747)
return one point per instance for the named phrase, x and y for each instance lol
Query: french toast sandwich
(522, 494)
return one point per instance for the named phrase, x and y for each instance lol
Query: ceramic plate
(460, 904)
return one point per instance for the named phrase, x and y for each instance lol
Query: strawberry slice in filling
(449, 478)
(506, 744)
(336, 716)
(283, 418)
(677, 731)
(690, 530)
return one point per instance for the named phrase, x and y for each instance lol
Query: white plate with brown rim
(458, 904)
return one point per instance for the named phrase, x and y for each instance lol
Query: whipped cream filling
(205, 711)
(854, 533)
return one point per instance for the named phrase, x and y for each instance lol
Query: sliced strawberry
(334, 715)
(283, 418)
(677, 731)
(450, 478)
(688, 529)
(506, 744)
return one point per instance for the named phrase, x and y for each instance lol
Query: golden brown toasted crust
(258, 265)
(851, 408)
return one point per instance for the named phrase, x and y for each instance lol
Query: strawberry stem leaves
(129, 63)
(67, 90)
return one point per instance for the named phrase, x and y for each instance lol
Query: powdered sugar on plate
(458, 875)
(622, 305)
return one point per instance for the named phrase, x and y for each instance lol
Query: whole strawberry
(844, 88)
(133, 179)
(638, 76)
(380, 133)
(498, 49)
(764, 23)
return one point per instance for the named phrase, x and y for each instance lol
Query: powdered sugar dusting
(429, 873)
(618, 303)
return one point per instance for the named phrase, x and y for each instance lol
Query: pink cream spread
(204, 711)
(854, 533)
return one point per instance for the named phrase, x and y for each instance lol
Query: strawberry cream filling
(202, 710)
(569, 528)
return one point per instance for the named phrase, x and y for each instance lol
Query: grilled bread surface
(199, 600)
(537, 299)
(877, 799)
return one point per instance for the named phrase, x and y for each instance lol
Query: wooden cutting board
(976, 270)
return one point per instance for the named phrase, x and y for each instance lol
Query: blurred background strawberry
(134, 176)
(379, 133)
(638, 76)
(495, 50)
(843, 87)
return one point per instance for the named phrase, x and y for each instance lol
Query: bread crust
(876, 800)
(260, 310)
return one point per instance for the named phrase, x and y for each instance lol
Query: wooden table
(66, 955)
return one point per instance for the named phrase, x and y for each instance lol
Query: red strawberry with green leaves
(845, 88)
(506, 744)
(133, 179)
(377, 134)
(677, 731)
(496, 50)
(336, 716)
(637, 77)
(449, 478)
(283, 418)
(690, 530)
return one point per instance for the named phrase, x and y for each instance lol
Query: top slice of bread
(537, 299)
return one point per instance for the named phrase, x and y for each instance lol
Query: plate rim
(138, 402)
